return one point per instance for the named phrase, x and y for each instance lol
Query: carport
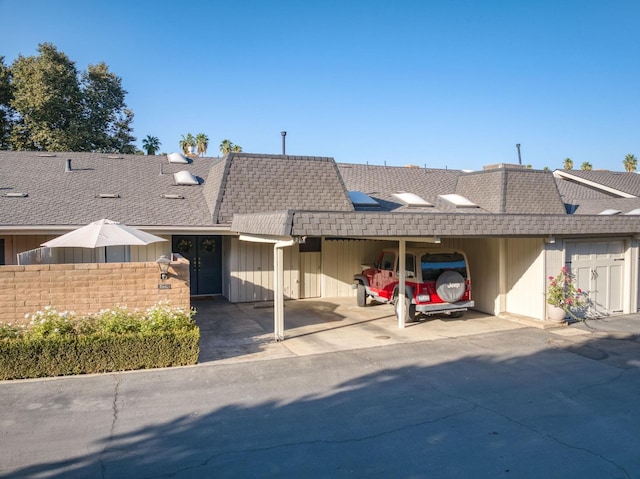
(511, 277)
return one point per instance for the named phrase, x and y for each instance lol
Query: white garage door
(599, 269)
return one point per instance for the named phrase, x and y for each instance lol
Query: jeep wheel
(450, 286)
(361, 295)
(456, 314)
(409, 309)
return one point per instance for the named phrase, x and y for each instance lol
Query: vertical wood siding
(525, 277)
(250, 272)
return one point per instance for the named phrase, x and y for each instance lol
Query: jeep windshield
(434, 264)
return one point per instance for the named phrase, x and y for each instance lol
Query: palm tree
(225, 146)
(568, 164)
(202, 142)
(236, 149)
(586, 166)
(186, 142)
(630, 163)
(151, 144)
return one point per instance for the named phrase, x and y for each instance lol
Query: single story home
(252, 224)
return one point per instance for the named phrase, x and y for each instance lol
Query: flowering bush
(563, 293)
(49, 322)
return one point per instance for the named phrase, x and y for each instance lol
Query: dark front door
(205, 257)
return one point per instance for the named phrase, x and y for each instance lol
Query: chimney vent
(67, 166)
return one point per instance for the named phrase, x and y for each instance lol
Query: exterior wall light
(163, 263)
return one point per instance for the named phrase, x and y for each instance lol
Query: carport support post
(402, 260)
(278, 293)
(278, 287)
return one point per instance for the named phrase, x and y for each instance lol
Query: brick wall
(88, 287)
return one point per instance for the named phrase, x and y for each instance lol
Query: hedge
(58, 344)
(64, 355)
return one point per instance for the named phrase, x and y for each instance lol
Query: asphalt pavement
(514, 401)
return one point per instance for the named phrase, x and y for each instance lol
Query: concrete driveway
(244, 331)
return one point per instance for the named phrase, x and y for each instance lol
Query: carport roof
(385, 224)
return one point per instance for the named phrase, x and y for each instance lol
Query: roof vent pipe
(284, 149)
(67, 166)
(519, 157)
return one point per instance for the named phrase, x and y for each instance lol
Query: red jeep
(437, 281)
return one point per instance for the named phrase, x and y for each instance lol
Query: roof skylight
(107, 195)
(185, 178)
(610, 211)
(172, 197)
(459, 201)
(177, 158)
(15, 195)
(358, 198)
(634, 212)
(411, 199)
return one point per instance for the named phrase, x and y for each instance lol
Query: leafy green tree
(236, 148)
(187, 142)
(48, 102)
(202, 143)
(151, 144)
(630, 163)
(122, 140)
(58, 108)
(586, 166)
(6, 112)
(105, 111)
(568, 164)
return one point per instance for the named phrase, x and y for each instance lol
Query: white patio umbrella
(103, 233)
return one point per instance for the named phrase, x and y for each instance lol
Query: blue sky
(446, 84)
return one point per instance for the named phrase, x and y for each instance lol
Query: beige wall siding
(153, 251)
(310, 275)
(249, 271)
(15, 244)
(525, 277)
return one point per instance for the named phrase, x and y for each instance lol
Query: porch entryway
(205, 258)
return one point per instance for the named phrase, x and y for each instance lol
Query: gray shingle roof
(572, 191)
(261, 183)
(383, 224)
(499, 190)
(596, 206)
(619, 180)
(283, 195)
(381, 182)
(56, 197)
(368, 224)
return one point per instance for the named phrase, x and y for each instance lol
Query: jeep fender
(361, 278)
(408, 291)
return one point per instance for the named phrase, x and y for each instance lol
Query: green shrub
(56, 344)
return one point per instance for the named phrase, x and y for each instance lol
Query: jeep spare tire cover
(450, 286)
